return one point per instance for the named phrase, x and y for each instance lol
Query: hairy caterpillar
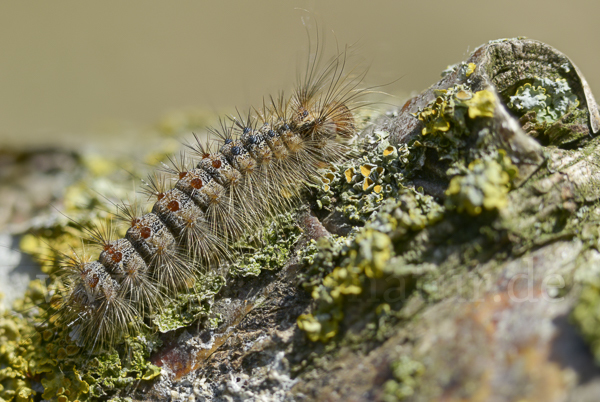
(206, 200)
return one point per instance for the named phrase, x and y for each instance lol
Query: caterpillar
(253, 166)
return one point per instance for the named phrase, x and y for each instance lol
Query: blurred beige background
(71, 70)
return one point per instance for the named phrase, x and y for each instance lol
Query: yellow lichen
(463, 95)
(470, 69)
(367, 260)
(349, 174)
(435, 118)
(365, 170)
(484, 185)
(482, 104)
(389, 151)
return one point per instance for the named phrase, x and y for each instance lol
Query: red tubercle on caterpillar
(160, 196)
(117, 256)
(216, 164)
(182, 175)
(196, 183)
(93, 281)
(145, 232)
(173, 206)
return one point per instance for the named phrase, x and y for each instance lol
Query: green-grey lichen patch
(268, 249)
(408, 211)
(550, 111)
(548, 99)
(190, 306)
(112, 372)
(366, 257)
(362, 184)
(406, 373)
(448, 124)
(484, 185)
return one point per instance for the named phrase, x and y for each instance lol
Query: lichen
(447, 111)
(448, 122)
(470, 69)
(483, 185)
(406, 373)
(548, 99)
(365, 257)
(362, 184)
(51, 362)
(188, 307)
(482, 104)
(586, 316)
(268, 249)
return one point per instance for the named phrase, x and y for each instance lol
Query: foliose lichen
(362, 184)
(406, 373)
(548, 99)
(445, 116)
(448, 124)
(347, 264)
(484, 184)
(364, 258)
(268, 249)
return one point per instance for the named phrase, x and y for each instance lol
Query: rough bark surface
(461, 286)
(496, 327)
